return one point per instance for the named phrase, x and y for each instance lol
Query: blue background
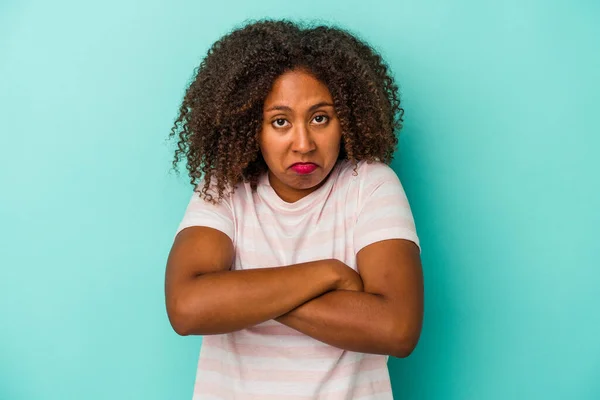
(499, 158)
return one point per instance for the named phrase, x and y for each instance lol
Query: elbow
(179, 318)
(189, 315)
(180, 328)
(402, 349)
(403, 342)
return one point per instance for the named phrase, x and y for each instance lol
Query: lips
(304, 168)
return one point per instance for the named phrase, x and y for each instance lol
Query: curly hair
(221, 113)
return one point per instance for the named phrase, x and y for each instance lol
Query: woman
(297, 257)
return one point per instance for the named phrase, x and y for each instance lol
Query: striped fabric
(270, 360)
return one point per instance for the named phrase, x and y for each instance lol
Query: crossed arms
(379, 311)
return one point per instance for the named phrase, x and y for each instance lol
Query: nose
(302, 141)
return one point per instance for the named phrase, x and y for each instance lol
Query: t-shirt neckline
(271, 198)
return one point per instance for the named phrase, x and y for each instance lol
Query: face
(300, 136)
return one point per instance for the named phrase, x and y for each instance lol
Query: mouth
(303, 168)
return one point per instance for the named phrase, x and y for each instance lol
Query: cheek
(268, 147)
(336, 143)
(263, 140)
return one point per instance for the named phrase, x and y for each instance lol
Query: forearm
(352, 320)
(228, 301)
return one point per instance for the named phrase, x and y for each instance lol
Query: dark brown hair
(221, 113)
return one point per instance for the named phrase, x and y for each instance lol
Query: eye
(321, 119)
(279, 123)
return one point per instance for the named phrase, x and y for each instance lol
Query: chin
(307, 181)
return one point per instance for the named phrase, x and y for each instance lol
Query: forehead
(297, 88)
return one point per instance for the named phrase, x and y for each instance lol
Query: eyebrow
(286, 108)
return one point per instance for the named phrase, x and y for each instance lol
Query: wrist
(326, 273)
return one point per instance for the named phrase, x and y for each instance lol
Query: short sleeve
(384, 211)
(200, 212)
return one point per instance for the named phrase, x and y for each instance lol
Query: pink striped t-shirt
(271, 361)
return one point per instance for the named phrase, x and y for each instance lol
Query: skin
(379, 311)
(299, 125)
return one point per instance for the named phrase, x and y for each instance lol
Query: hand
(348, 279)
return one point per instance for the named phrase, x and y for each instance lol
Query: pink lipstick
(304, 168)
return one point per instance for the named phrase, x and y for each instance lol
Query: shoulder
(366, 174)
(231, 194)
(210, 202)
(376, 171)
